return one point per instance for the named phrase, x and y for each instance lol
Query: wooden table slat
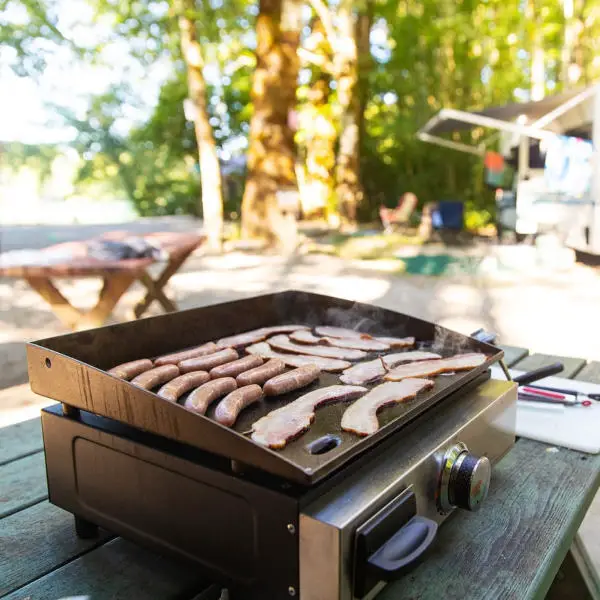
(22, 483)
(40, 538)
(591, 372)
(20, 440)
(535, 361)
(514, 545)
(118, 570)
(513, 354)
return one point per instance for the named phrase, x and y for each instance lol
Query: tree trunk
(210, 171)
(271, 152)
(319, 128)
(348, 189)
(538, 66)
(365, 63)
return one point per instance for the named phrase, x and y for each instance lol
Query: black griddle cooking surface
(84, 385)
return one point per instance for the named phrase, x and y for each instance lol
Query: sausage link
(132, 369)
(201, 398)
(261, 374)
(154, 377)
(205, 363)
(231, 369)
(232, 405)
(292, 380)
(177, 357)
(182, 384)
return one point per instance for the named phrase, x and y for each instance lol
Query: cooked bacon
(351, 334)
(361, 417)
(298, 360)
(366, 344)
(341, 332)
(279, 426)
(282, 342)
(395, 342)
(305, 337)
(256, 335)
(374, 369)
(426, 368)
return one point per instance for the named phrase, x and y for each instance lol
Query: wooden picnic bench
(517, 546)
(117, 277)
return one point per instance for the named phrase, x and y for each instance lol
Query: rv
(554, 147)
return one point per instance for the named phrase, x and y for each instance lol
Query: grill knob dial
(464, 481)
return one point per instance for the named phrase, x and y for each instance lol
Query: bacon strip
(395, 342)
(361, 417)
(427, 368)
(282, 342)
(368, 345)
(347, 334)
(256, 335)
(374, 369)
(297, 360)
(341, 332)
(284, 424)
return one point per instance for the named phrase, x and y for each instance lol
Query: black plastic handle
(404, 549)
(540, 373)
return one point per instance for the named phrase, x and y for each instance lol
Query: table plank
(22, 483)
(40, 539)
(535, 361)
(591, 372)
(118, 570)
(512, 547)
(513, 354)
(20, 440)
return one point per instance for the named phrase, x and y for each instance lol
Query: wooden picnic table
(117, 276)
(512, 548)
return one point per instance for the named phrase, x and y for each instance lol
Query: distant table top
(511, 548)
(80, 265)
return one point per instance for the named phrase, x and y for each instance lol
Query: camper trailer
(553, 148)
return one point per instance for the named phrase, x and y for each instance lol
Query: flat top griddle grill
(70, 369)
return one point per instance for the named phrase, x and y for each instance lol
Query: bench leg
(67, 314)
(85, 529)
(155, 288)
(114, 287)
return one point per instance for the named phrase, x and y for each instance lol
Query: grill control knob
(464, 481)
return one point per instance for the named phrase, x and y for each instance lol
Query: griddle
(71, 369)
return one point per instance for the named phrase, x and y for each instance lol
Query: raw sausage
(177, 357)
(292, 380)
(261, 374)
(232, 405)
(205, 363)
(182, 384)
(234, 368)
(132, 369)
(201, 398)
(154, 377)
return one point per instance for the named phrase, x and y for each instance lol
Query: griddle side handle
(404, 549)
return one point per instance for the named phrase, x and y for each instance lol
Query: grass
(363, 246)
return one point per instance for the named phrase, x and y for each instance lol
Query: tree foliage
(424, 55)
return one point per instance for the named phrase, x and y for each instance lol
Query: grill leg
(85, 529)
